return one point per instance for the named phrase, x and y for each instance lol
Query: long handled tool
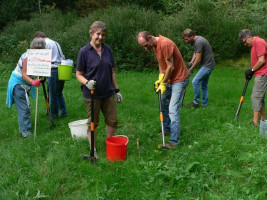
(161, 120)
(47, 104)
(183, 97)
(188, 67)
(92, 157)
(241, 100)
(47, 96)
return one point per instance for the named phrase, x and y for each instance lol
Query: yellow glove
(161, 77)
(162, 88)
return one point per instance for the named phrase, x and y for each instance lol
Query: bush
(219, 23)
(216, 24)
(16, 38)
(123, 25)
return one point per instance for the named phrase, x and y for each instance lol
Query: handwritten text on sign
(39, 62)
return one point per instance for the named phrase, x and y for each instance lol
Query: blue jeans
(171, 103)
(201, 80)
(56, 98)
(23, 109)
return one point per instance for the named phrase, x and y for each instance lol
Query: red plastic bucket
(117, 147)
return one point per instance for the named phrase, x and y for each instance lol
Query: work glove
(161, 77)
(190, 64)
(91, 84)
(118, 95)
(248, 74)
(36, 83)
(162, 88)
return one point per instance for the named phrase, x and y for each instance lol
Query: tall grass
(219, 158)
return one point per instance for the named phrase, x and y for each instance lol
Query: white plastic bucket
(67, 62)
(78, 129)
(263, 127)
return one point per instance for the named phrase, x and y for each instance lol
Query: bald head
(145, 39)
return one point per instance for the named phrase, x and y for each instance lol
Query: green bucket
(64, 72)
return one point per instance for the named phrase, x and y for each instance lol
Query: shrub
(123, 25)
(16, 38)
(217, 22)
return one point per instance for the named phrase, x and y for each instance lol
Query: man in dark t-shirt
(202, 56)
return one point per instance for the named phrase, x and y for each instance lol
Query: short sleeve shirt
(18, 69)
(98, 68)
(165, 50)
(202, 45)
(259, 48)
(57, 54)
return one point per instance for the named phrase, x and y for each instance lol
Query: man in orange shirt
(173, 79)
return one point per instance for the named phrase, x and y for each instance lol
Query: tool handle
(241, 99)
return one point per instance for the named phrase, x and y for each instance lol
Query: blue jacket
(13, 81)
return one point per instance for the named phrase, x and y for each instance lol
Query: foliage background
(218, 21)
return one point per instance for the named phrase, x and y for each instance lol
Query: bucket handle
(122, 136)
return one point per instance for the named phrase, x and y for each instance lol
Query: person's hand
(36, 83)
(119, 97)
(248, 74)
(190, 72)
(190, 64)
(161, 77)
(91, 84)
(162, 88)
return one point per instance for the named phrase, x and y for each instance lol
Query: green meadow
(218, 158)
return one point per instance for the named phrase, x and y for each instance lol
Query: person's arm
(260, 62)
(193, 58)
(160, 70)
(114, 80)
(61, 52)
(115, 85)
(27, 78)
(197, 59)
(80, 77)
(90, 84)
(24, 72)
(169, 70)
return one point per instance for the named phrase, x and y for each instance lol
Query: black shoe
(192, 105)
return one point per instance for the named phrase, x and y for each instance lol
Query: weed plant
(218, 158)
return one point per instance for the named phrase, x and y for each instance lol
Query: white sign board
(39, 62)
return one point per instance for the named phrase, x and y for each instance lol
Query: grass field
(218, 158)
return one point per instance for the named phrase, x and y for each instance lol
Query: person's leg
(52, 84)
(60, 98)
(262, 113)
(257, 98)
(165, 102)
(256, 115)
(196, 86)
(204, 84)
(109, 110)
(23, 109)
(110, 131)
(174, 110)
